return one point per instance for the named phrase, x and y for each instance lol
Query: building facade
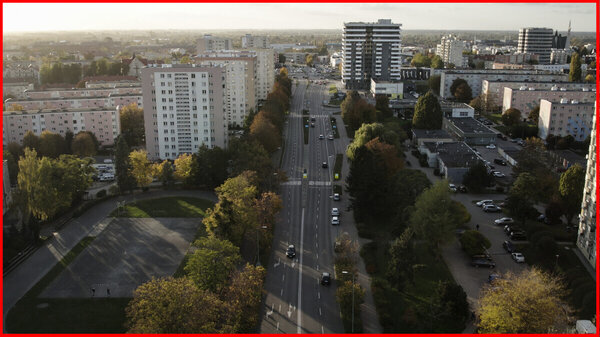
(537, 41)
(495, 88)
(104, 123)
(566, 117)
(249, 41)
(210, 43)
(370, 51)
(15, 89)
(586, 238)
(526, 98)
(393, 90)
(451, 50)
(240, 82)
(185, 109)
(265, 72)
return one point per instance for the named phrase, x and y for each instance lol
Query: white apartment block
(559, 56)
(537, 41)
(265, 72)
(249, 41)
(85, 92)
(475, 78)
(104, 123)
(370, 51)
(185, 108)
(451, 49)
(211, 43)
(240, 81)
(586, 238)
(567, 117)
(393, 90)
(495, 88)
(526, 98)
(110, 100)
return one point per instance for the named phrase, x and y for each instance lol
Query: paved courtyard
(127, 253)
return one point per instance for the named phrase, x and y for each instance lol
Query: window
(193, 75)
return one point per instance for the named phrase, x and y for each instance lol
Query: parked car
(504, 221)
(498, 174)
(462, 188)
(511, 228)
(335, 221)
(452, 188)
(491, 146)
(518, 257)
(483, 263)
(335, 212)
(336, 197)
(491, 208)
(500, 162)
(518, 235)
(482, 257)
(325, 279)
(508, 246)
(324, 165)
(291, 251)
(484, 202)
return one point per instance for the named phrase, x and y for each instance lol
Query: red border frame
(597, 2)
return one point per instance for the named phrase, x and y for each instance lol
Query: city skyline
(73, 17)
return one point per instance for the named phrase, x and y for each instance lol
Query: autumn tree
(244, 295)
(534, 115)
(571, 190)
(367, 132)
(265, 132)
(575, 68)
(83, 145)
(428, 113)
(212, 262)
(349, 294)
(132, 124)
(141, 169)
(511, 117)
(173, 305)
(387, 154)
(183, 167)
(529, 302)
(164, 172)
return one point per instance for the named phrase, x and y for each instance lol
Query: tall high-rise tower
(537, 41)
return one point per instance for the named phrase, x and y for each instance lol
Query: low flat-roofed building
(470, 130)
(527, 98)
(457, 109)
(509, 153)
(392, 89)
(421, 135)
(453, 159)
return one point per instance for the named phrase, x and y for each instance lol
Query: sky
(23, 17)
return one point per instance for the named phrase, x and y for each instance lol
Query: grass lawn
(336, 133)
(169, 207)
(337, 168)
(66, 315)
(496, 118)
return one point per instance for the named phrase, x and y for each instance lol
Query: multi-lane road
(296, 302)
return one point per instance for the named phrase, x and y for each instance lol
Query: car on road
(335, 220)
(321, 137)
(484, 202)
(504, 221)
(491, 146)
(335, 212)
(325, 279)
(483, 263)
(491, 208)
(291, 251)
(312, 124)
(330, 137)
(452, 188)
(518, 235)
(312, 119)
(336, 196)
(498, 174)
(500, 162)
(324, 165)
(508, 246)
(518, 257)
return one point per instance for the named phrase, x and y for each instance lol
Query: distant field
(169, 207)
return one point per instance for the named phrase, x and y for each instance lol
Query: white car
(491, 146)
(498, 174)
(335, 212)
(335, 220)
(504, 221)
(518, 257)
(336, 197)
(452, 187)
(484, 202)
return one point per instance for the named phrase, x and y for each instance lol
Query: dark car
(312, 119)
(518, 235)
(482, 257)
(483, 263)
(324, 165)
(462, 188)
(291, 251)
(500, 162)
(508, 246)
(312, 124)
(325, 279)
(512, 228)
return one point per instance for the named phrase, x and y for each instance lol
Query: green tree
(282, 58)
(125, 180)
(434, 83)
(437, 63)
(455, 85)
(448, 306)
(474, 243)
(463, 93)
(212, 263)
(347, 295)
(244, 295)
(173, 305)
(12, 165)
(575, 68)
(249, 155)
(530, 302)
(209, 167)
(511, 117)
(248, 120)
(402, 260)
(534, 115)
(477, 178)
(132, 124)
(183, 168)
(141, 169)
(419, 60)
(382, 106)
(366, 133)
(52, 144)
(436, 215)
(571, 190)
(83, 145)
(164, 172)
(428, 113)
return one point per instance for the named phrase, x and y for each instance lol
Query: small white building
(335, 60)
(393, 90)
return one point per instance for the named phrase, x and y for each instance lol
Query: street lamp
(345, 272)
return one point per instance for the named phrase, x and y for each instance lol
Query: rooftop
(453, 154)
(422, 133)
(470, 125)
(40, 111)
(28, 100)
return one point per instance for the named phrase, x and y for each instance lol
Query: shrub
(101, 194)
(474, 243)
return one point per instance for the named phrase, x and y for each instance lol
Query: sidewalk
(28, 273)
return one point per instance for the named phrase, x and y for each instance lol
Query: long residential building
(103, 122)
(537, 41)
(586, 238)
(185, 108)
(566, 117)
(209, 43)
(77, 102)
(370, 51)
(239, 84)
(85, 92)
(475, 78)
(495, 88)
(253, 41)
(525, 98)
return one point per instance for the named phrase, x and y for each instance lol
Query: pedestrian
(477, 226)
(107, 292)
(93, 292)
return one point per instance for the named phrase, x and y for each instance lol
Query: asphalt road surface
(295, 301)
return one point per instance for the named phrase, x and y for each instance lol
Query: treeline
(73, 73)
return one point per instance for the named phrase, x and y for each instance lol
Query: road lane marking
(300, 274)
(319, 294)
(322, 331)
(281, 292)
(320, 313)
(283, 277)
